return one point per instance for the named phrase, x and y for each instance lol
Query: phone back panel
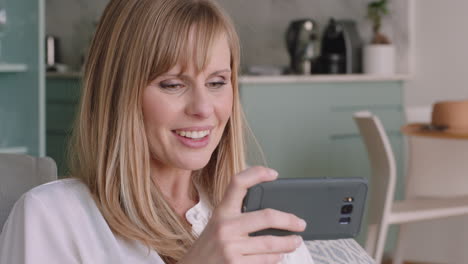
(332, 208)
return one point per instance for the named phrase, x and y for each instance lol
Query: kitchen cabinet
(22, 85)
(62, 98)
(306, 128)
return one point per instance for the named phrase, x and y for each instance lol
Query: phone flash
(348, 199)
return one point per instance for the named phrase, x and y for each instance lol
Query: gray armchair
(18, 174)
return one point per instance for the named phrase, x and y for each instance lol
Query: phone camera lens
(345, 220)
(347, 209)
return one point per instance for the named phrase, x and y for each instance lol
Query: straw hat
(449, 119)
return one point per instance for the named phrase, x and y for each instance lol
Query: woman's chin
(194, 163)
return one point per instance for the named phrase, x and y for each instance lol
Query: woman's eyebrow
(220, 71)
(186, 76)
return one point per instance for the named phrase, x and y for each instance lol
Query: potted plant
(379, 56)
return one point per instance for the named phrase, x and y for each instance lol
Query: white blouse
(59, 222)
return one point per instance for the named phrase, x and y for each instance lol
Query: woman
(158, 150)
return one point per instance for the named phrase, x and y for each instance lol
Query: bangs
(195, 28)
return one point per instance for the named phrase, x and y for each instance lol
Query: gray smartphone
(332, 208)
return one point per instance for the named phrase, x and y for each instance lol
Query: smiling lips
(193, 134)
(194, 138)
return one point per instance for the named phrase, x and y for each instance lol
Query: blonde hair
(136, 41)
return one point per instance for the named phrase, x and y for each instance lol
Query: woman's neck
(177, 187)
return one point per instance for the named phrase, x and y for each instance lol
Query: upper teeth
(193, 134)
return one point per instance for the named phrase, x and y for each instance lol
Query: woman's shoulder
(59, 186)
(60, 191)
(58, 205)
(65, 195)
(59, 222)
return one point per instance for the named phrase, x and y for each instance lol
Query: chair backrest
(382, 160)
(18, 174)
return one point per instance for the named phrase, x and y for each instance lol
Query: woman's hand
(226, 237)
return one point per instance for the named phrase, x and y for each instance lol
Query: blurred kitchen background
(302, 119)
(261, 26)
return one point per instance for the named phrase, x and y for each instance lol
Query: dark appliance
(301, 38)
(340, 48)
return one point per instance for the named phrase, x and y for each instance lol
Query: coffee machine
(301, 40)
(340, 48)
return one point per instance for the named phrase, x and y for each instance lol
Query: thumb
(232, 202)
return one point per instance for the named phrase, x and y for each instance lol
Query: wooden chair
(383, 209)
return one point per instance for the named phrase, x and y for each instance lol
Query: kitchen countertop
(323, 78)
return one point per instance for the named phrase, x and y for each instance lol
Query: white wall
(262, 24)
(440, 72)
(73, 22)
(440, 52)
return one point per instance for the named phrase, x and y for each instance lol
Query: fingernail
(298, 241)
(302, 223)
(273, 173)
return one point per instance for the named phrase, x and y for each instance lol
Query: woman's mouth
(193, 138)
(193, 134)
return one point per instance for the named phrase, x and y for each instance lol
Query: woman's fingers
(263, 259)
(269, 218)
(237, 189)
(269, 245)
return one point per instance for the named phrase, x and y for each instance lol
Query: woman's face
(185, 113)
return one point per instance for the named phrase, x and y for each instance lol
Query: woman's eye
(171, 86)
(216, 84)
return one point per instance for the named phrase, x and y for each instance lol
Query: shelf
(323, 78)
(14, 150)
(286, 78)
(6, 67)
(64, 75)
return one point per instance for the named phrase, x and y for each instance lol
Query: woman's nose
(200, 103)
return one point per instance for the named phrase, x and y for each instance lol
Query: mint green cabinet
(22, 102)
(307, 129)
(62, 98)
